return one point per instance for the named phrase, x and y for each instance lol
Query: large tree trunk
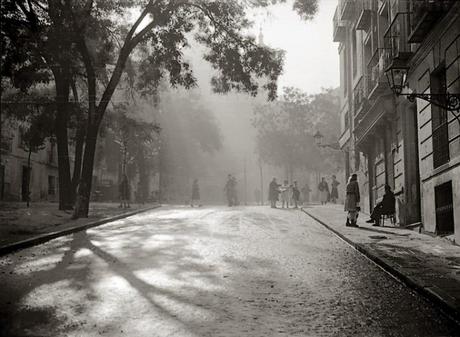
(143, 185)
(62, 102)
(84, 187)
(79, 143)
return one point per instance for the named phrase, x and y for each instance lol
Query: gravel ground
(18, 222)
(248, 271)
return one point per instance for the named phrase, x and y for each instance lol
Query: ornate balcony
(339, 29)
(376, 81)
(364, 10)
(346, 9)
(425, 13)
(359, 96)
(395, 37)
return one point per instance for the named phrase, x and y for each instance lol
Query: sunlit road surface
(207, 272)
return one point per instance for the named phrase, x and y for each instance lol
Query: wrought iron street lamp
(397, 79)
(318, 136)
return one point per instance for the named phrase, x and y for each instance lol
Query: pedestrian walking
(295, 195)
(285, 190)
(123, 190)
(273, 192)
(306, 193)
(323, 188)
(195, 194)
(352, 201)
(334, 189)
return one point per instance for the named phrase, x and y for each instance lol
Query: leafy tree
(285, 130)
(37, 47)
(163, 29)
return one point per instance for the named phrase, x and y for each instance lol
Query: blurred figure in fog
(285, 190)
(123, 189)
(195, 194)
(334, 189)
(234, 192)
(230, 191)
(295, 195)
(323, 188)
(306, 193)
(273, 192)
(257, 195)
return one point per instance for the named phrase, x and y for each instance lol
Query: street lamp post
(318, 136)
(396, 75)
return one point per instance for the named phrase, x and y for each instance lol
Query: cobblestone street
(246, 271)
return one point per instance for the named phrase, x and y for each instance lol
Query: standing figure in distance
(295, 195)
(323, 188)
(123, 189)
(285, 194)
(352, 201)
(195, 194)
(273, 192)
(334, 189)
(306, 193)
(229, 190)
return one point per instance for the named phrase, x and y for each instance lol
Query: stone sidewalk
(430, 265)
(22, 227)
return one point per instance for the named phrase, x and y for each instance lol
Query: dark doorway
(2, 182)
(25, 183)
(444, 208)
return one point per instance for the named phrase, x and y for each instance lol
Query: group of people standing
(289, 193)
(324, 194)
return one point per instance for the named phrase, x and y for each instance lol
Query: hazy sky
(311, 57)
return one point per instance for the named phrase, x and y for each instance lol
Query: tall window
(354, 52)
(51, 185)
(439, 123)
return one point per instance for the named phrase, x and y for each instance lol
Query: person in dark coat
(352, 200)
(195, 194)
(386, 206)
(334, 189)
(273, 192)
(123, 189)
(323, 188)
(295, 195)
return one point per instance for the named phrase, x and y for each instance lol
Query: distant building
(413, 147)
(14, 169)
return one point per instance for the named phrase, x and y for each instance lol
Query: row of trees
(285, 130)
(63, 42)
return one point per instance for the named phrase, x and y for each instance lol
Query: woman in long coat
(352, 201)
(323, 188)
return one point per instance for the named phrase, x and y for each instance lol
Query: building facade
(386, 138)
(17, 178)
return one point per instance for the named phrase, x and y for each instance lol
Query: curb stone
(431, 293)
(39, 239)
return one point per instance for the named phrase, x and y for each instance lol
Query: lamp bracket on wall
(450, 102)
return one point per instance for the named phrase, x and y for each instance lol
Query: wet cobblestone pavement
(207, 272)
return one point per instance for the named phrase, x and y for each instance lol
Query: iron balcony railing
(339, 31)
(359, 95)
(424, 14)
(395, 37)
(376, 68)
(346, 8)
(364, 10)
